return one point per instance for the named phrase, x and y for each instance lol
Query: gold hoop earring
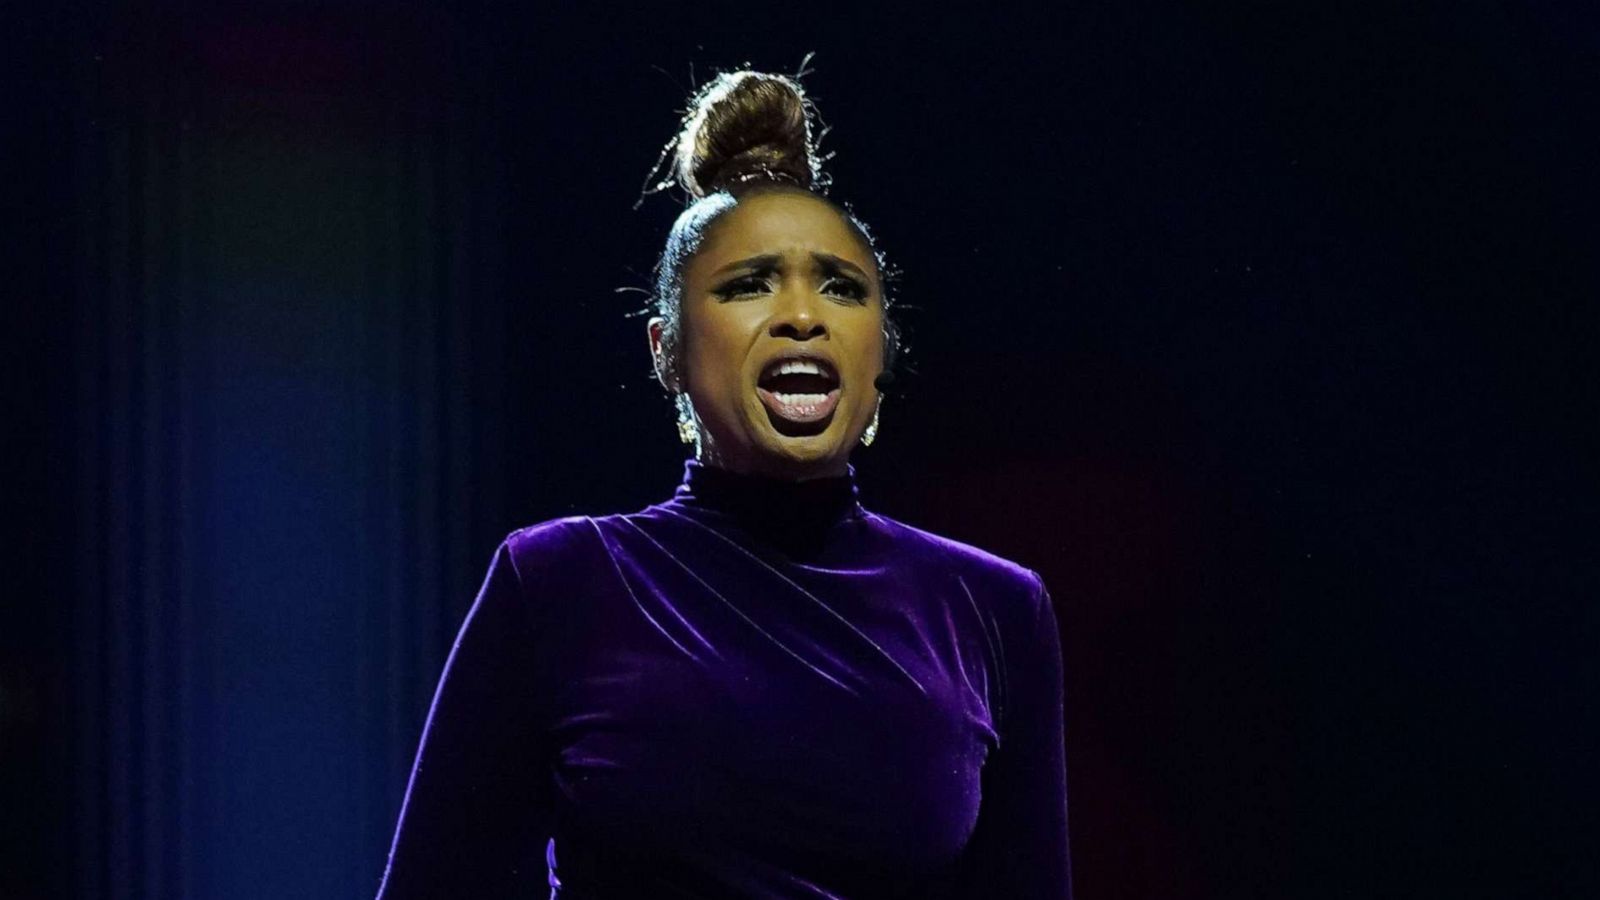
(871, 434)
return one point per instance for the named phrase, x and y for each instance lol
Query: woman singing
(756, 688)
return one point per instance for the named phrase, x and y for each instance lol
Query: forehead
(782, 222)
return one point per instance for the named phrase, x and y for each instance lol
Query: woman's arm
(474, 821)
(1019, 847)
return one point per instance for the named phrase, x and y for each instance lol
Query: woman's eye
(846, 287)
(741, 286)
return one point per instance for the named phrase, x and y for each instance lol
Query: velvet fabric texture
(757, 688)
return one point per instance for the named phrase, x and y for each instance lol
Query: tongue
(799, 407)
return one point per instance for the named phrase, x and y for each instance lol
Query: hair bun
(746, 126)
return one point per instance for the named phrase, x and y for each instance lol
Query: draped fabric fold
(754, 688)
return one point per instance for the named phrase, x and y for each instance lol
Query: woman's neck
(787, 470)
(794, 515)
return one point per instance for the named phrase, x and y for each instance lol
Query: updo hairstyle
(743, 131)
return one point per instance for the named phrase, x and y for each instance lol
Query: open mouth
(800, 396)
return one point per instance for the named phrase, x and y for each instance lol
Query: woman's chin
(802, 447)
(801, 442)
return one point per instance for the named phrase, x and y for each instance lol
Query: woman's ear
(655, 327)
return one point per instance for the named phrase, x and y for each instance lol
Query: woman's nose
(796, 317)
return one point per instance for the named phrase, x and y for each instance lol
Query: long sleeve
(1019, 847)
(474, 819)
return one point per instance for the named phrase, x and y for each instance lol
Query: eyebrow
(826, 262)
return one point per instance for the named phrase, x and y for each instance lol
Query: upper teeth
(797, 365)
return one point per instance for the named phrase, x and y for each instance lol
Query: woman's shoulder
(973, 563)
(549, 544)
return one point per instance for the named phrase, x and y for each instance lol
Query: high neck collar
(787, 511)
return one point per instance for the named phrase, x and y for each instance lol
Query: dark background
(1263, 330)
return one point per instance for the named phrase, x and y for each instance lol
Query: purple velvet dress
(757, 688)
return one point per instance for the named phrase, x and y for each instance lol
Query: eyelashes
(853, 289)
(739, 287)
(837, 285)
